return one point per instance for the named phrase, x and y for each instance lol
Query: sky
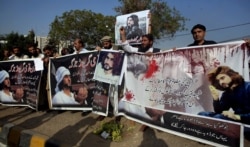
(225, 20)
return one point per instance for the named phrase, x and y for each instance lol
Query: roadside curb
(12, 135)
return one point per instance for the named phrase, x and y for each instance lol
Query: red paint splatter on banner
(152, 68)
(129, 95)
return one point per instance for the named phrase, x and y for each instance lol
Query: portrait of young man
(109, 67)
(234, 102)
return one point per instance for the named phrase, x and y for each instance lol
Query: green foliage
(165, 21)
(15, 39)
(113, 128)
(89, 26)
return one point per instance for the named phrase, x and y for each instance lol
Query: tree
(89, 26)
(165, 22)
(30, 38)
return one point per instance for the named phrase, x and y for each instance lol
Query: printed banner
(20, 82)
(193, 84)
(135, 24)
(71, 81)
(178, 80)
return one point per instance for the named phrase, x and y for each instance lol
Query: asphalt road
(75, 129)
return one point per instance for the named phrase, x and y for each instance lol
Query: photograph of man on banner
(5, 94)
(109, 67)
(63, 91)
(234, 102)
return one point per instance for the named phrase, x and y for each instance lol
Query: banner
(135, 24)
(171, 91)
(71, 82)
(200, 93)
(20, 82)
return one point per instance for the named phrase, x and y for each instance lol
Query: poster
(101, 98)
(135, 25)
(109, 67)
(71, 81)
(20, 82)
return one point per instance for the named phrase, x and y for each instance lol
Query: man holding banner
(145, 47)
(199, 31)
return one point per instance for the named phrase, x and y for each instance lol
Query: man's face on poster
(19, 94)
(109, 62)
(224, 80)
(82, 94)
(130, 21)
(67, 80)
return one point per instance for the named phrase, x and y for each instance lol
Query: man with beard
(145, 47)
(63, 88)
(32, 52)
(5, 93)
(17, 54)
(133, 31)
(108, 69)
(236, 95)
(106, 43)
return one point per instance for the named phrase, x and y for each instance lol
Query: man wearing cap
(199, 32)
(106, 43)
(63, 88)
(5, 93)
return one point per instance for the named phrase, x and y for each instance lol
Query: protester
(145, 47)
(79, 46)
(32, 52)
(65, 51)
(106, 44)
(199, 32)
(6, 54)
(17, 54)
